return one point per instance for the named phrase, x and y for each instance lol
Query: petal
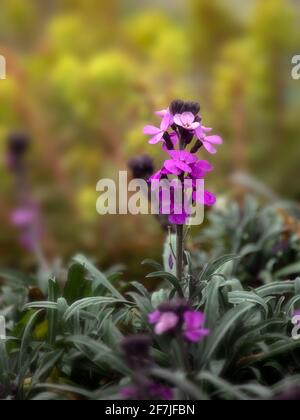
(167, 322)
(188, 118)
(178, 219)
(206, 129)
(171, 166)
(214, 139)
(154, 317)
(209, 147)
(151, 130)
(157, 138)
(194, 126)
(166, 122)
(193, 320)
(183, 166)
(196, 335)
(209, 199)
(177, 120)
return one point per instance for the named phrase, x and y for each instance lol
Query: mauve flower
(179, 219)
(186, 121)
(176, 316)
(181, 162)
(158, 133)
(167, 322)
(23, 217)
(208, 142)
(193, 328)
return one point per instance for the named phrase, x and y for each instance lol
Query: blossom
(179, 107)
(157, 133)
(186, 121)
(167, 321)
(193, 327)
(208, 141)
(176, 317)
(23, 217)
(180, 162)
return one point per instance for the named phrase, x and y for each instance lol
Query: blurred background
(85, 76)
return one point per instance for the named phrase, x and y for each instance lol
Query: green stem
(179, 253)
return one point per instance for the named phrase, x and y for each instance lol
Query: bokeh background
(84, 76)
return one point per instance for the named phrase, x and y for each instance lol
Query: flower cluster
(178, 318)
(181, 128)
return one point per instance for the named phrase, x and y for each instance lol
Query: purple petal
(151, 130)
(154, 317)
(178, 219)
(166, 122)
(23, 217)
(209, 147)
(193, 320)
(183, 166)
(196, 335)
(171, 166)
(167, 322)
(214, 139)
(209, 199)
(157, 138)
(187, 118)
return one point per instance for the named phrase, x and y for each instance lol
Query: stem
(179, 253)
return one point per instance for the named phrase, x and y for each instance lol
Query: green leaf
(86, 302)
(170, 278)
(98, 277)
(289, 270)
(75, 285)
(213, 266)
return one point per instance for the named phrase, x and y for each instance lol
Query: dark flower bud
(177, 107)
(17, 146)
(193, 107)
(141, 167)
(178, 306)
(137, 351)
(168, 141)
(197, 146)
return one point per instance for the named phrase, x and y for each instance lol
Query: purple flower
(193, 327)
(177, 318)
(167, 322)
(181, 162)
(158, 133)
(186, 121)
(23, 217)
(208, 141)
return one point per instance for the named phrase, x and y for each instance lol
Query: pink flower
(208, 141)
(193, 327)
(180, 162)
(158, 133)
(167, 322)
(186, 120)
(23, 217)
